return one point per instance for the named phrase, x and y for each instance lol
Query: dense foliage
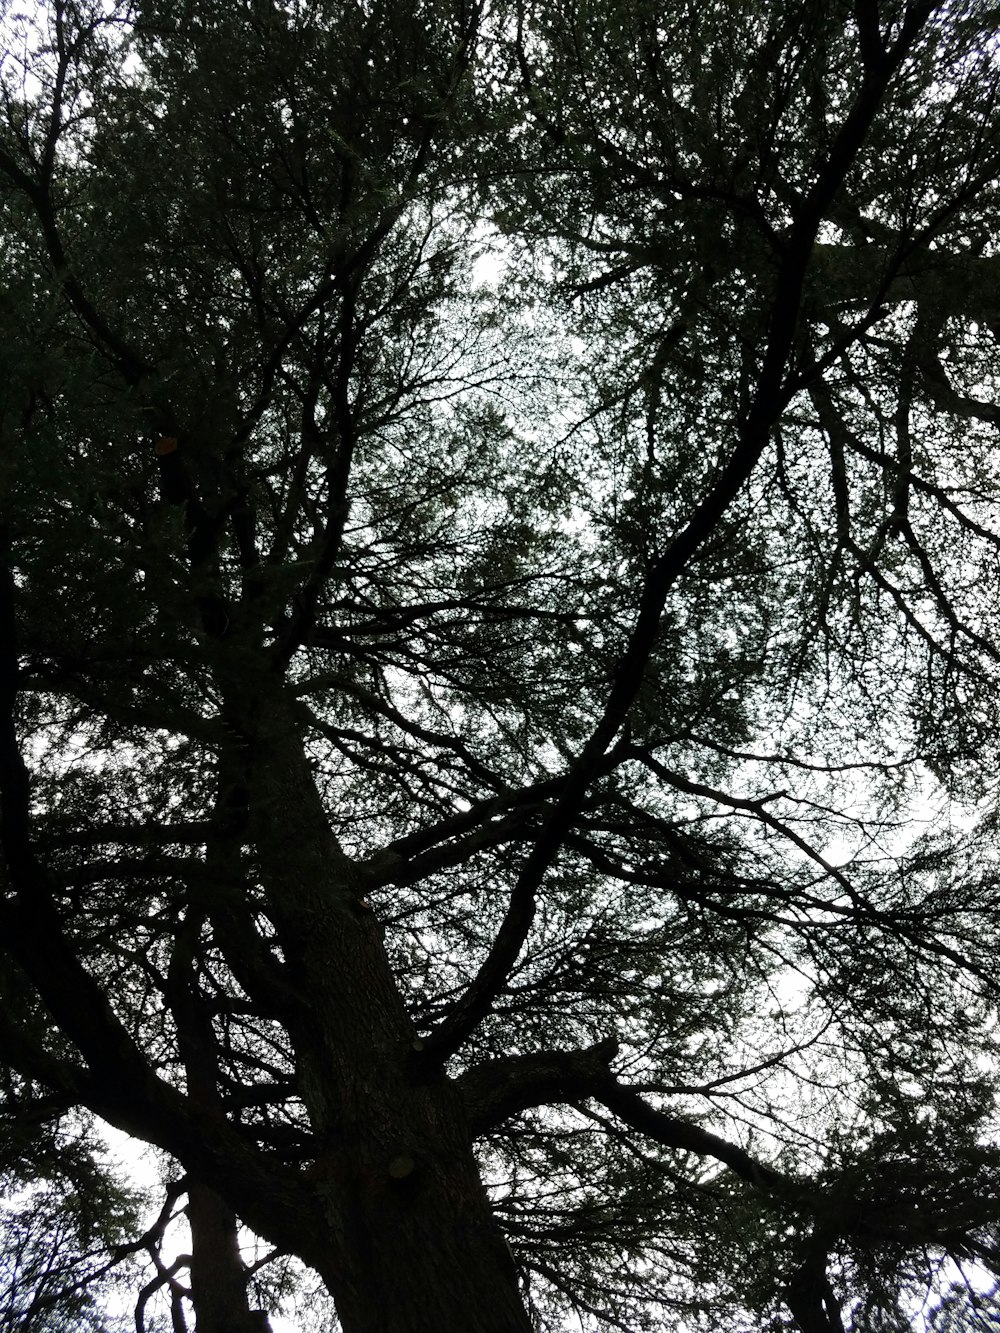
(499, 659)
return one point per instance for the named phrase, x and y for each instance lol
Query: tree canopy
(499, 662)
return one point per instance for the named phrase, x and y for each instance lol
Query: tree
(59, 1217)
(964, 1308)
(460, 733)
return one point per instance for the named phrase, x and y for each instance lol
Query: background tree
(60, 1216)
(460, 733)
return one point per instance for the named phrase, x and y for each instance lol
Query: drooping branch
(963, 285)
(673, 1132)
(149, 833)
(499, 1089)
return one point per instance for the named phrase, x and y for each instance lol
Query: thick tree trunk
(417, 1250)
(413, 1244)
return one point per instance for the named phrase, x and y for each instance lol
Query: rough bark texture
(412, 1242)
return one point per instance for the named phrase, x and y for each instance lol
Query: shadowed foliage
(498, 662)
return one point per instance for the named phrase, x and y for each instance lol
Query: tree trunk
(218, 1277)
(413, 1244)
(416, 1248)
(810, 1297)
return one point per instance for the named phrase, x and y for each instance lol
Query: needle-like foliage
(498, 661)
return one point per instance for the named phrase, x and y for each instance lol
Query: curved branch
(131, 364)
(672, 1132)
(498, 1089)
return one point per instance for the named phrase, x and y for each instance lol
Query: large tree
(499, 544)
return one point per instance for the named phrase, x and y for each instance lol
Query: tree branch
(498, 1089)
(753, 434)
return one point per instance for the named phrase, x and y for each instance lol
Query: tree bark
(413, 1245)
(218, 1276)
(811, 1299)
